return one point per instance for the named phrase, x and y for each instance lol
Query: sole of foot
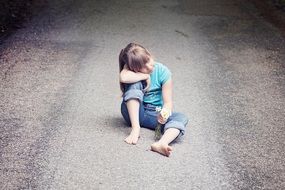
(161, 149)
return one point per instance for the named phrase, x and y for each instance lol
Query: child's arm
(127, 76)
(167, 99)
(167, 94)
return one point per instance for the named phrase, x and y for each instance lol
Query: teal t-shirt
(158, 77)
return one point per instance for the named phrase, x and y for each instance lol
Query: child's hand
(161, 120)
(146, 89)
(163, 115)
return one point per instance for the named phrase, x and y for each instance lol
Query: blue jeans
(147, 112)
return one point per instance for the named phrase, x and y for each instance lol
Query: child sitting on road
(147, 87)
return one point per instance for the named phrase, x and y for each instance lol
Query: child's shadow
(119, 125)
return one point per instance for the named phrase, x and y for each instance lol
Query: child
(147, 86)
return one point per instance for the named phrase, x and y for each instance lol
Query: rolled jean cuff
(133, 94)
(176, 125)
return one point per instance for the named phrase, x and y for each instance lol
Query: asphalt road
(60, 122)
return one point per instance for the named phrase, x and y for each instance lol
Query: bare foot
(163, 149)
(133, 137)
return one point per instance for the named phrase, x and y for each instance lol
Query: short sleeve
(165, 74)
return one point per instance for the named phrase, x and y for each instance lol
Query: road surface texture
(61, 126)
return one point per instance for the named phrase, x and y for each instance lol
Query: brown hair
(134, 56)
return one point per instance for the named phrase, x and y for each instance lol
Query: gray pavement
(60, 122)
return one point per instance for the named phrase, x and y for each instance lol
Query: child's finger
(147, 87)
(161, 120)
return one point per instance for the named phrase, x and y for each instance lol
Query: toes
(128, 140)
(131, 140)
(135, 140)
(169, 148)
(166, 152)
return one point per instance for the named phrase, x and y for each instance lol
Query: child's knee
(178, 121)
(179, 117)
(137, 85)
(134, 91)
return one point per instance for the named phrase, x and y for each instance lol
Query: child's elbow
(122, 78)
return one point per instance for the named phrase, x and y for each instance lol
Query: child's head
(136, 58)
